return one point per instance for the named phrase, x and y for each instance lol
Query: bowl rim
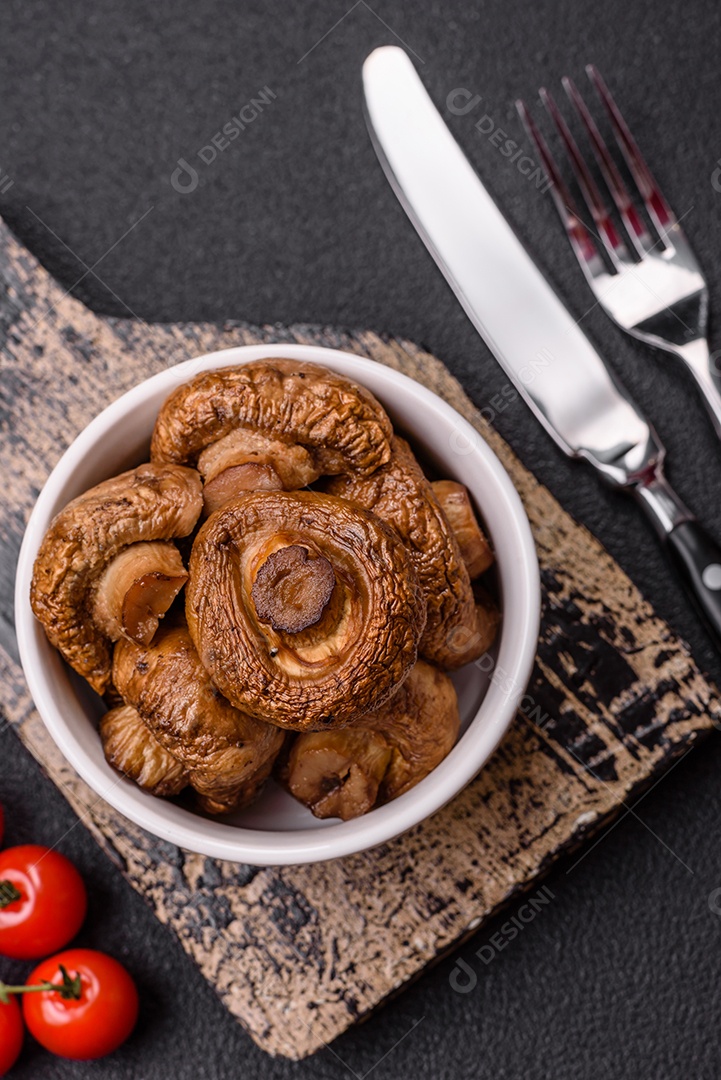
(292, 847)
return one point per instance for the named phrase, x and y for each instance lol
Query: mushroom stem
(249, 476)
(292, 590)
(136, 589)
(456, 505)
(338, 773)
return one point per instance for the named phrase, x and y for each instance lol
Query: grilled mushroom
(338, 773)
(480, 634)
(346, 773)
(102, 571)
(340, 426)
(132, 749)
(456, 505)
(136, 589)
(249, 461)
(304, 609)
(226, 754)
(399, 493)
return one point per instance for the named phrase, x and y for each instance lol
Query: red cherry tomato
(50, 908)
(11, 1034)
(94, 1025)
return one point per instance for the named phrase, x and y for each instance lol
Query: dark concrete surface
(293, 221)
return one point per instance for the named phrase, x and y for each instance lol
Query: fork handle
(697, 558)
(695, 555)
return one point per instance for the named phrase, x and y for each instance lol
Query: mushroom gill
(400, 494)
(340, 424)
(150, 503)
(305, 610)
(382, 755)
(227, 754)
(132, 749)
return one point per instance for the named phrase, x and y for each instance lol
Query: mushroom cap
(456, 505)
(132, 749)
(338, 421)
(400, 494)
(334, 667)
(226, 753)
(152, 502)
(421, 723)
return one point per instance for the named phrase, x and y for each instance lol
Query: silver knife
(528, 329)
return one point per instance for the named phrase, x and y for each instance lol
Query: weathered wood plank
(300, 953)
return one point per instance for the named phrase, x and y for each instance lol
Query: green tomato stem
(8, 894)
(70, 988)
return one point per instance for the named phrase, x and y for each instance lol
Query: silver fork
(655, 289)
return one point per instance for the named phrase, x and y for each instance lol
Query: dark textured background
(294, 222)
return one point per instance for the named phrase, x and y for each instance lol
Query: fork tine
(582, 242)
(658, 209)
(612, 241)
(635, 226)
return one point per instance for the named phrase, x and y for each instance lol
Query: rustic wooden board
(299, 954)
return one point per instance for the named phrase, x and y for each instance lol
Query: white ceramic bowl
(277, 829)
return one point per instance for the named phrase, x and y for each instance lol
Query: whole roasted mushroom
(458, 511)
(249, 461)
(346, 773)
(132, 749)
(305, 610)
(457, 628)
(270, 425)
(225, 753)
(106, 568)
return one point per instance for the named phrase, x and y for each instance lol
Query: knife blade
(546, 354)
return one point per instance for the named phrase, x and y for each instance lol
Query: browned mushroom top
(226, 753)
(400, 494)
(456, 505)
(340, 423)
(421, 724)
(132, 749)
(82, 598)
(305, 610)
(383, 754)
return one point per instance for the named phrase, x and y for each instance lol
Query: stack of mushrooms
(280, 588)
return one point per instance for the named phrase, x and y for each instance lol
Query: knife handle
(695, 555)
(697, 558)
